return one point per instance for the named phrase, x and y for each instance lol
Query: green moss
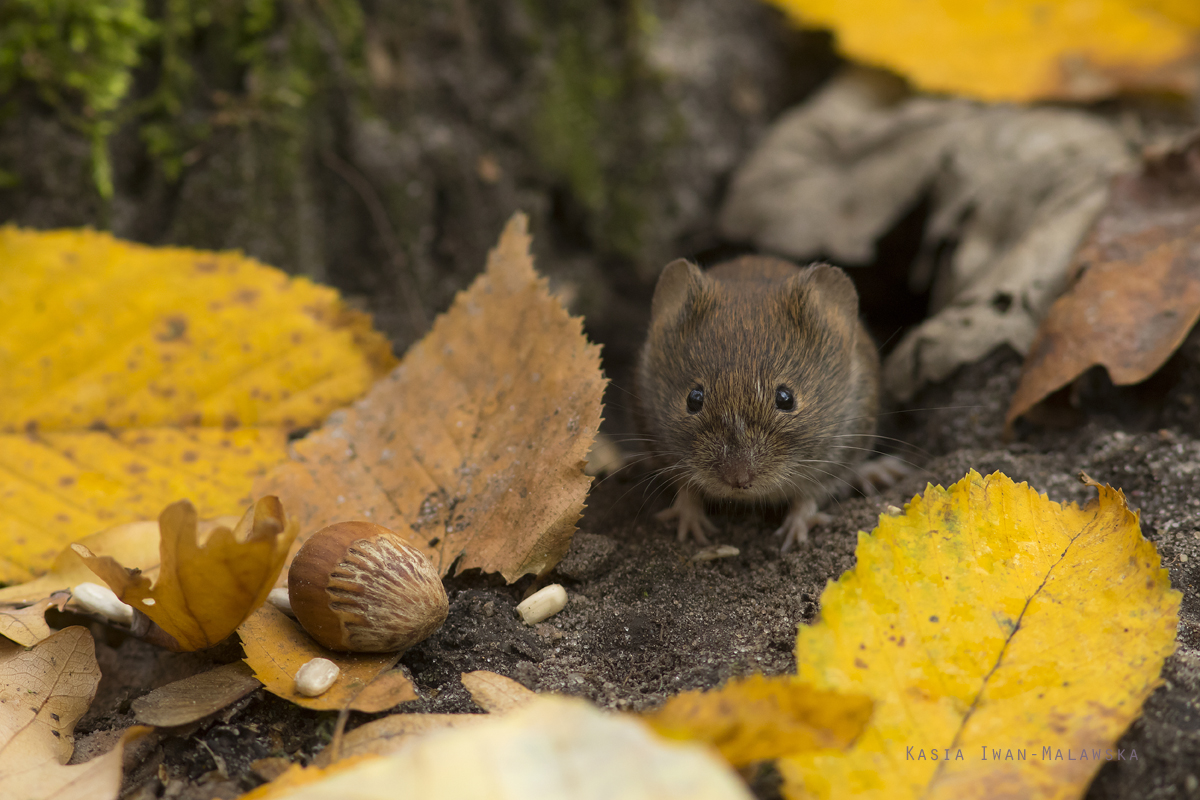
(262, 60)
(80, 54)
(590, 127)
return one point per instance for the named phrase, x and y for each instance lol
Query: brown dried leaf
(1137, 288)
(43, 693)
(276, 647)
(206, 586)
(474, 446)
(196, 696)
(496, 693)
(27, 626)
(390, 733)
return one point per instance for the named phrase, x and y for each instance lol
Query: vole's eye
(695, 400)
(784, 399)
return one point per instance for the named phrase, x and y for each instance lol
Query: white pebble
(316, 676)
(543, 604)
(103, 601)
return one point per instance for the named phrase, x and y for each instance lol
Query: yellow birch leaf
(276, 647)
(43, 693)
(205, 589)
(1013, 637)
(473, 448)
(759, 718)
(132, 376)
(1019, 50)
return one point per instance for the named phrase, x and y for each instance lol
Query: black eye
(695, 400)
(784, 399)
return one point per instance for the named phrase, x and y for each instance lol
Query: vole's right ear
(681, 286)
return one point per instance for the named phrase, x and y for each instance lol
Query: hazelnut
(358, 586)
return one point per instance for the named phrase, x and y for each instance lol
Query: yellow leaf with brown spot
(1012, 637)
(473, 448)
(276, 647)
(44, 691)
(206, 586)
(131, 377)
(760, 718)
(1019, 50)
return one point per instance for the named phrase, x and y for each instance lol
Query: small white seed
(543, 604)
(316, 676)
(279, 598)
(103, 601)
(715, 552)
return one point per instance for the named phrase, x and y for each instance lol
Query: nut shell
(359, 587)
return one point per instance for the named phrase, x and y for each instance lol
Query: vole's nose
(737, 473)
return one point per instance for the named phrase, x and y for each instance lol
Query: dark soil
(644, 621)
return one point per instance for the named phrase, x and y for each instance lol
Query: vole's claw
(694, 523)
(800, 517)
(879, 473)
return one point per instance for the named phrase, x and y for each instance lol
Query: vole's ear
(681, 286)
(827, 288)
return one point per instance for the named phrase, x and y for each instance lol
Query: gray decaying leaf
(1013, 191)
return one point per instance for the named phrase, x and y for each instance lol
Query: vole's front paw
(880, 473)
(802, 515)
(694, 523)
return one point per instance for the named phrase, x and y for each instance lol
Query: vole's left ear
(828, 288)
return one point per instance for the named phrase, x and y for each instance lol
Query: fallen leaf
(1011, 193)
(760, 718)
(132, 376)
(473, 448)
(195, 697)
(1136, 292)
(43, 693)
(553, 749)
(26, 625)
(276, 647)
(204, 589)
(494, 693)
(990, 622)
(389, 734)
(133, 544)
(1019, 50)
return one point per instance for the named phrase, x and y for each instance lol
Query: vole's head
(746, 373)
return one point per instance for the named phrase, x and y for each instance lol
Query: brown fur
(739, 331)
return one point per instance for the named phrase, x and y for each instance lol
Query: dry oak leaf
(26, 625)
(206, 585)
(134, 544)
(473, 448)
(1136, 290)
(43, 693)
(553, 749)
(760, 718)
(1019, 50)
(987, 616)
(131, 376)
(276, 647)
